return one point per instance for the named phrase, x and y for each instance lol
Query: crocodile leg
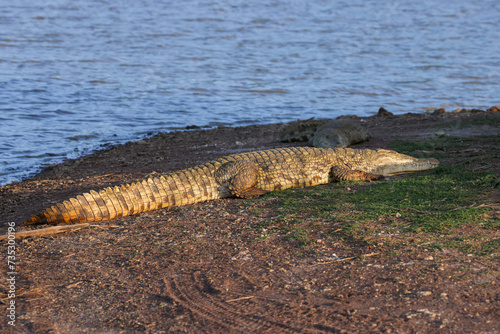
(240, 177)
(342, 173)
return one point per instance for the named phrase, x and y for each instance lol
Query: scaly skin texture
(240, 175)
(300, 130)
(338, 133)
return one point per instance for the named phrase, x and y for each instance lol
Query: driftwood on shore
(45, 231)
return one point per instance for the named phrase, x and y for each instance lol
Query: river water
(76, 76)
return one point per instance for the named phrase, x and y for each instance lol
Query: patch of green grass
(468, 245)
(431, 208)
(431, 203)
(299, 236)
(261, 238)
(493, 224)
(439, 143)
(491, 247)
(256, 211)
(462, 124)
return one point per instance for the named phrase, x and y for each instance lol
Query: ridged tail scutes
(106, 204)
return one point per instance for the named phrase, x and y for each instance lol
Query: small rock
(423, 293)
(494, 109)
(457, 111)
(406, 264)
(422, 311)
(429, 258)
(383, 112)
(426, 312)
(411, 314)
(439, 111)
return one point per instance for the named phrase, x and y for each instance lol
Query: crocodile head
(386, 163)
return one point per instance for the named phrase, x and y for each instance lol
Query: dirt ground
(198, 268)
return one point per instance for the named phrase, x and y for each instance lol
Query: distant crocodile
(240, 175)
(324, 133)
(301, 130)
(338, 133)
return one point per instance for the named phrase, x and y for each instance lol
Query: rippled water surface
(77, 75)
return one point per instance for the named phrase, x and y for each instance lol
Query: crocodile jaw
(389, 163)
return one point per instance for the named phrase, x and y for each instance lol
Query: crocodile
(301, 130)
(324, 133)
(240, 175)
(338, 133)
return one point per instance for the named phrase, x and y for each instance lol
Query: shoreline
(195, 128)
(165, 152)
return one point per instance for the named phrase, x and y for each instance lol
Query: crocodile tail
(108, 203)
